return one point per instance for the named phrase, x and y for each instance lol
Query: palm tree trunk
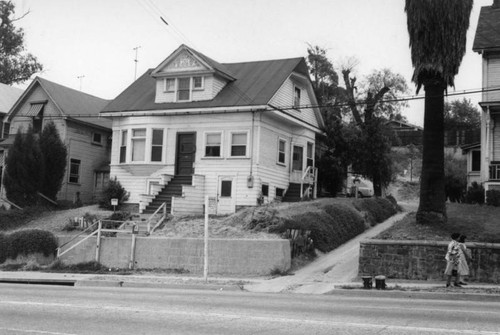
(432, 207)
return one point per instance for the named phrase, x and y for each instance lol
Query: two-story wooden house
(240, 133)
(484, 160)
(86, 135)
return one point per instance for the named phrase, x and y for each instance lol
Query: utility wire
(284, 108)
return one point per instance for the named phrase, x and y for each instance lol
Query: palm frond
(437, 31)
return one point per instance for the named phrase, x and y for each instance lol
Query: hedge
(377, 209)
(27, 242)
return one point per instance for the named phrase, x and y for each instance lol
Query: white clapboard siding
(493, 79)
(193, 198)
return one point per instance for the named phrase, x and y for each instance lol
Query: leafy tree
(461, 115)
(437, 30)
(390, 107)
(24, 170)
(16, 65)
(325, 79)
(54, 155)
(373, 157)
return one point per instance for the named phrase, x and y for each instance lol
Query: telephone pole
(136, 60)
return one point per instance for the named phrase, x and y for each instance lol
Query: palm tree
(437, 31)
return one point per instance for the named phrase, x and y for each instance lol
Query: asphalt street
(40, 309)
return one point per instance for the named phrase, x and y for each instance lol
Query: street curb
(37, 281)
(131, 284)
(415, 294)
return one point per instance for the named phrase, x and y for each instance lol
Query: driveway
(340, 266)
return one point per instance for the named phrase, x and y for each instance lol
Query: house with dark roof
(238, 133)
(85, 133)
(484, 160)
(8, 96)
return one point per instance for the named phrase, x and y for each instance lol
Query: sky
(89, 45)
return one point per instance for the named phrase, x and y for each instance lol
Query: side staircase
(173, 188)
(293, 193)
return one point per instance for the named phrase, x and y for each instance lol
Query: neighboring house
(85, 134)
(8, 96)
(487, 43)
(406, 133)
(240, 133)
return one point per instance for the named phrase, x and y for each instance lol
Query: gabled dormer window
(183, 87)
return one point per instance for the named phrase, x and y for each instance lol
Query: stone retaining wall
(423, 260)
(249, 257)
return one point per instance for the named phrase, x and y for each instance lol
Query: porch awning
(35, 109)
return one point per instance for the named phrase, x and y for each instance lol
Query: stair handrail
(302, 180)
(164, 207)
(59, 253)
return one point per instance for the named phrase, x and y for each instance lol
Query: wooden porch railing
(162, 208)
(309, 178)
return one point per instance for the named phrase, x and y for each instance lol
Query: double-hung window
(123, 146)
(281, 151)
(138, 145)
(183, 89)
(74, 170)
(239, 144)
(197, 83)
(310, 154)
(157, 145)
(213, 143)
(296, 97)
(169, 85)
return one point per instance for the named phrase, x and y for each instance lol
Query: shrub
(329, 228)
(113, 190)
(15, 218)
(493, 198)
(31, 241)
(475, 194)
(120, 216)
(378, 209)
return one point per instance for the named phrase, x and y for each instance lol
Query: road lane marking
(34, 331)
(270, 319)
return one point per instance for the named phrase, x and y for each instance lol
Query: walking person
(463, 267)
(452, 260)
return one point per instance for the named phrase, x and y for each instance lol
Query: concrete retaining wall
(424, 260)
(226, 256)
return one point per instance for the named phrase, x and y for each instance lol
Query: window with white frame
(96, 138)
(138, 145)
(296, 97)
(157, 145)
(183, 89)
(476, 161)
(198, 83)
(213, 142)
(74, 170)
(169, 84)
(281, 151)
(239, 144)
(123, 146)
(310, 154)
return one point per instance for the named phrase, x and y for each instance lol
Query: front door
(297, 158)
(226, 196)
(186, 149)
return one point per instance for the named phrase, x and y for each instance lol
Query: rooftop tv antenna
(136, 60)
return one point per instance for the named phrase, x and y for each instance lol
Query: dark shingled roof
(74, 104)
(488, 29)
(255, 84)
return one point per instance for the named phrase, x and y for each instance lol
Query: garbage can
(380, 282)
(367, 282)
